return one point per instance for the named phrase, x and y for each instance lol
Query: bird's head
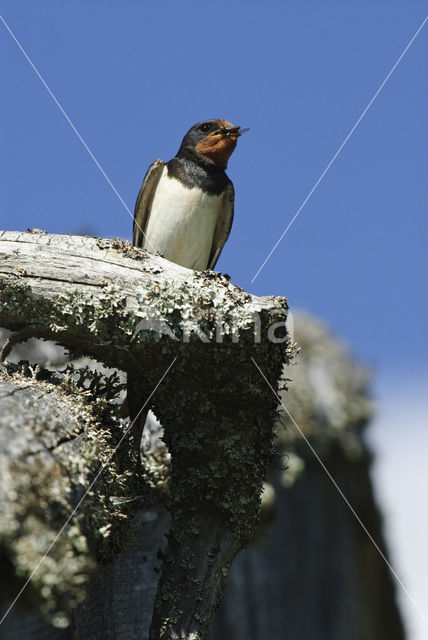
(212, 141)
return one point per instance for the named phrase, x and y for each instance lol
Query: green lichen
(40, 495)
(219, 421)
(14, 298)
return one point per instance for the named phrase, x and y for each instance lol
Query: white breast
(182, 222)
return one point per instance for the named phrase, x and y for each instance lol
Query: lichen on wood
(54, 439)
(220, 436)
(145, 315)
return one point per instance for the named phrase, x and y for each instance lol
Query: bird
(184, 210)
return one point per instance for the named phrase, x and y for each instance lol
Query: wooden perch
(94, 295)
(142, 314)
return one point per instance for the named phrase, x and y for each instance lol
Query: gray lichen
(45, 475)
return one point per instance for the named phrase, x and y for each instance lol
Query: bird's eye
(205, 127)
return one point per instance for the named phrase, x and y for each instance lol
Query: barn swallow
(184, 210)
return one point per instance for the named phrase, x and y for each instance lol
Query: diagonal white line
(84, 496)
(412, 600)
(340, 148)
(27, 57)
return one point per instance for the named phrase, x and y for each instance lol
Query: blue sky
(134, 76)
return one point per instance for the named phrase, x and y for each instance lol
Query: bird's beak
(233, 131)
